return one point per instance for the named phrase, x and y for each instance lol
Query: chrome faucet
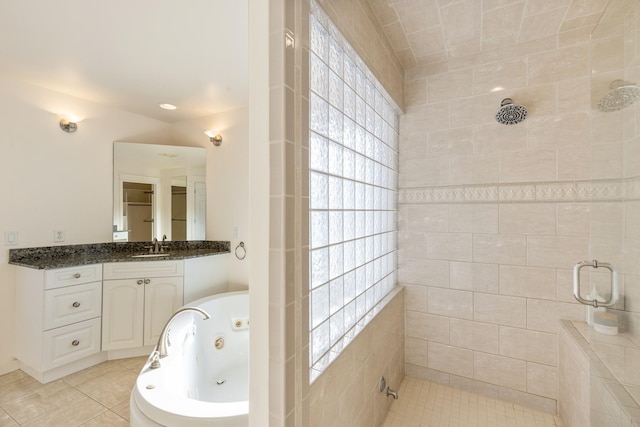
(161, 348)
(155, 247)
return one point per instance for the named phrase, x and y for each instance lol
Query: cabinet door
(163, 297)
(122, 313)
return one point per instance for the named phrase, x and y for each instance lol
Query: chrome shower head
(621, 95)
(510, 113)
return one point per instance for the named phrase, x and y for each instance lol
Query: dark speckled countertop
(50, 257)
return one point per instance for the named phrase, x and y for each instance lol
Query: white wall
(227, 181)
(54, 180)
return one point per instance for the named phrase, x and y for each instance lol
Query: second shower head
(621, 95)
(510, 113)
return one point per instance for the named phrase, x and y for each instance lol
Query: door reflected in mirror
(158, 190)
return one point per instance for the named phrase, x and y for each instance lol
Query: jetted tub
(204, 379)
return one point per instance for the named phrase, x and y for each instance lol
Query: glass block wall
(353, 150)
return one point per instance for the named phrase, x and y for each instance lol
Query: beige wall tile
(501, 310)
(494, 30)
(573, 164)
(499, 370)
(412, 244)
(511, 74)
(451, 303)
(607, 219)
(529, 282)
(541, 24)
(500, 249)
(526, 166)
(428, 217)
(480, 169)
(479, 387)
(527, 345)
(449, 246)
(606, 161)
(542, 380)
(573, 219)
(490, 139)
(528, 400)
(542, 315)
(446, 86)
(416, 351)
(423, 272)
(427, 327)
(450, 359)
(474, 335)
(528, 218)
(451, 142)
(560, 64)
(560, 251)
(415, 297)
(473, 218)
(425, 172)
(474, 277)
(541, 101)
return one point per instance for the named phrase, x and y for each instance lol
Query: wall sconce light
(215, 139)
(68, 126)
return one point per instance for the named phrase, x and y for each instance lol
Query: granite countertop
(51, 257)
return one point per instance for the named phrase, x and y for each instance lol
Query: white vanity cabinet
(58, 320)
(138, 299)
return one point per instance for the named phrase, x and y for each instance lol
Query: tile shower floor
(97, 396)
(423, 403)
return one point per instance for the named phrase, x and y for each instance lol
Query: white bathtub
(198, 384)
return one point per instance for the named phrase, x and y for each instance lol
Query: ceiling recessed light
(168, 106)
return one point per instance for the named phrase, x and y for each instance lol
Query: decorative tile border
(575, 191)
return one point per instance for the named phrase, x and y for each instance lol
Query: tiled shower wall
(493, 217)
(615, 138)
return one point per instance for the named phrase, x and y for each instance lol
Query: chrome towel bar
(594, 302)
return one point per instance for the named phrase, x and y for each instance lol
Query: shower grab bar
(594, 302)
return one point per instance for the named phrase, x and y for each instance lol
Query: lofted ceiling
(132, 55)
(430, 31)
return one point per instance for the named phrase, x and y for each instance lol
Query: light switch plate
(10, 238)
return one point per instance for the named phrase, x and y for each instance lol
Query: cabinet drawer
(72, 304)
(142, 269)
(69, 343)
(72, 276)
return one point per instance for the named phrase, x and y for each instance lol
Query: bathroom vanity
(79, 305)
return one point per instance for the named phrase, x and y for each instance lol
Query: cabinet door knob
(140, 282)
(147, 281)
(75, 343)
(77, 276)
(76, 304)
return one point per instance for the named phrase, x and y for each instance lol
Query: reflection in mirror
(158, 190)
(179, 208)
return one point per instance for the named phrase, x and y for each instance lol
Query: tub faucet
(161, 348)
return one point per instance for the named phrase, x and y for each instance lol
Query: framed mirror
(158, 190)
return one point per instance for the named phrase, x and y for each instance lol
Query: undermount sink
(151, 255)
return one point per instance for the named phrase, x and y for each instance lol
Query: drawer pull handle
(147, 281)
(77, 276)
(140, 282)
(76, 304)
(75, 343)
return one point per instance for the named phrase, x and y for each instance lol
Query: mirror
(158, 190)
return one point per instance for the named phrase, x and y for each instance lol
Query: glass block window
(353, 161)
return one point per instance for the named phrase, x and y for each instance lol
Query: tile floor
(97, 396)
(423, 403)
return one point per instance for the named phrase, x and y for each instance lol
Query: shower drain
(220, 381)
